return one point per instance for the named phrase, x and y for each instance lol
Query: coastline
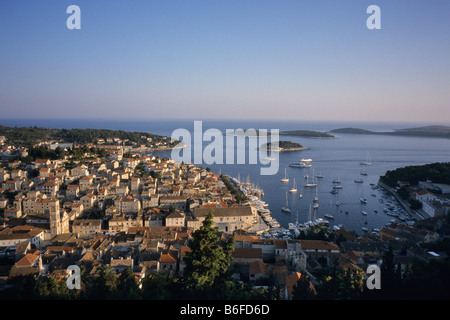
(404, 204)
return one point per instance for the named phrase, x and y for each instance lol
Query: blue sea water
(330, 158)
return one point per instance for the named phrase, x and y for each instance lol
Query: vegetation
(284, 145)
(436, 172)
(428, 131)
(302, 289)
(208, 277)
(76, 154)
(235, 192)
(353, 130)
(306, 133)
(208, 261)
(30, 136)
(27, 137)
(423, 280)
(341, 284)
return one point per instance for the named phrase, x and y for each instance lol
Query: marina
(381, 204)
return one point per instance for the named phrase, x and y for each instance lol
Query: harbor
(371, 214)
(265, 225)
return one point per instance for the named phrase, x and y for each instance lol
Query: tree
(157, 287)
(388, 273)
(127, 287)
(208, 261)
(102, 285)
(302, 289)
(341, 284)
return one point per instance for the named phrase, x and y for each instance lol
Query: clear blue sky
(277, 59)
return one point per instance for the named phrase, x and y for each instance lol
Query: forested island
(306, 134)
(285, 146)
(427, 131)
(31, 136)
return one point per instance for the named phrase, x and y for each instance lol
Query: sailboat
(363, 172)
(285, 179)
(367, 162)
(301, 193)
(312, 183)
(294, 187)
(359, 179)
(329, 216)
(319, 175)
(316, 199)
(309, 216)
(295, 226)
(362, 199)
(338, 180)
(286, 207)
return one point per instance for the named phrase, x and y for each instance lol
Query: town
(137, 212)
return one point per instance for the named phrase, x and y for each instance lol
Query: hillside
(306, 133)
(436, 172)
(285, 146)
(29, 136)
(426, 131)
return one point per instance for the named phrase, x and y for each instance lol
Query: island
(306, 134)
(435, 131)
(285, 146)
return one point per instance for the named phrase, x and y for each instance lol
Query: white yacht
(294, 187)
(316, 198)
(286, 207)
(300, 165)
(285, 179)
(320, 175)
(312, 183)
(367, 162)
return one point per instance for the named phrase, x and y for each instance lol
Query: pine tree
(102, 285)
(302, 289)
(388, 274)
(127, 287)
(208, 260)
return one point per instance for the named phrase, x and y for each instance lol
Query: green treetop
(209, 260)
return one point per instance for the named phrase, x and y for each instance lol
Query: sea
(332, 159)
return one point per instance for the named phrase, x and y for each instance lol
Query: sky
(226, 59)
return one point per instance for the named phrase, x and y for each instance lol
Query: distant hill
(352, 130)
(284, 146)
(427, 131)
(29, 136)
(306, 133)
